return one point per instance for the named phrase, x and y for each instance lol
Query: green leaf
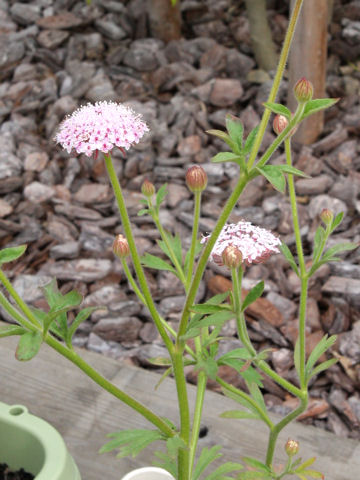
(253, 295)
(237, 353)
(293, 171)
(173, 445)
(339, 248)
(274, 175)
(242, 401)
(12, 253)
(219, 298)
(143, 211)
(209, 366)
(206, 457)
(161, 194)
(52, 293)
(28, 346)
(217, 318)
(175, 245)
(278, 109)
(236, 131)
(314, 106)
(157, 263)
(257, 395)
(198, 248)
(224, 137)
(306, 464)
(337, 220)
(131, 442)
(251, 375)
(252, 475)
(9, 330)
(227, 157)
(284, 249)
(205, 308)
(250, 140)
(313, 474)
(319, 238)
(323, 366)
(82, 316)
(324, 344)
(239, 414)
(220, 472)
(252, 462)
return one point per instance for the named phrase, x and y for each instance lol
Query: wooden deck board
(54, 389)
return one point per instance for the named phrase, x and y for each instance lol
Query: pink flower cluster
(255, 244)
(100, 127)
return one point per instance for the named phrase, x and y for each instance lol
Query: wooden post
(164, 19)
(308, 59)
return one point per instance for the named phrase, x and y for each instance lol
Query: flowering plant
(105, 126)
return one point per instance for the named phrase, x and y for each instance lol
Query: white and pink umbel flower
(100, 128)
(255, 244)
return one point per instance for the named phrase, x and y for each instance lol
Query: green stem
(19, 301)
(134, 254)
(170, 249)
(109, 387)
(197, 205)
(282, 424)
(200, 395)
(277, 80)
(245, 396)
(303, 274)
(16, 315)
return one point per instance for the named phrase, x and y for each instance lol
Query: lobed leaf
(206, 457)
(220, 472)
(324, 344)
(224, 137)
(131, 442)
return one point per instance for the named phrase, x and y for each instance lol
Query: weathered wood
(164, 19)
(52, 388)
(308, 59)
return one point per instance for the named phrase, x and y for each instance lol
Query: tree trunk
(308, 59)
(164, 19)
(261, 39)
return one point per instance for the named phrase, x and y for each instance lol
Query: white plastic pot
(148, 473)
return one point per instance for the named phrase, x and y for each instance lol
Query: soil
(7, 474)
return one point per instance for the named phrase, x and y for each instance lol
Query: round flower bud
(232, 257)
(147, 188)
(280, 123)
(291, 448)
(121, 247)
(196, 179)
(327, 216)
(303, 90)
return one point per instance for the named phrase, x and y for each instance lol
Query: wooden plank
(52, 388)
(308, 59)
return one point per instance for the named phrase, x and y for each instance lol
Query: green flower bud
(147, 188)
(280, 123)
(291, 447)
(327, 216)
(121, 247)
(232, 257)
(196, 179)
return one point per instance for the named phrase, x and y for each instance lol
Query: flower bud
(147, 188)
(196, 179)
(280, 123)
(303, 90)
(121, 247)
(291, 447)
(327, 216)
(232, 257)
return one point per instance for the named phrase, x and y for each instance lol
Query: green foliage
(274, 175)
(314, 106)
(239, 414)
(156, 263)
(253, 295)
(278, 109)
(9, 330)
(131, 442)
(175, 245)
(220, 473)
(28, 346)
(207, 456)
(284, 249)
(197, 322)
(250, 140)
(324, 345)
(236, 132)
(256, 464)
(10, 254)
(161, 194)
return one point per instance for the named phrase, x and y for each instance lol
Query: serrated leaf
(52, 293)
(252, 462)
(251, 375)
(223, 136)
(253, 295)
(323, 366)
(174, 444)
(278, 109)
(250, 140)
(284, 249)
(239, 414)
(131, 442)
(236, 131)
(12, 253)
(314, 106)
(161, 194)
(156, 263)
(28, 346)
(206, 457)
(9, 330)
(274, 175)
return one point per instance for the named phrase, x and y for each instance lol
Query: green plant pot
(30, 443)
